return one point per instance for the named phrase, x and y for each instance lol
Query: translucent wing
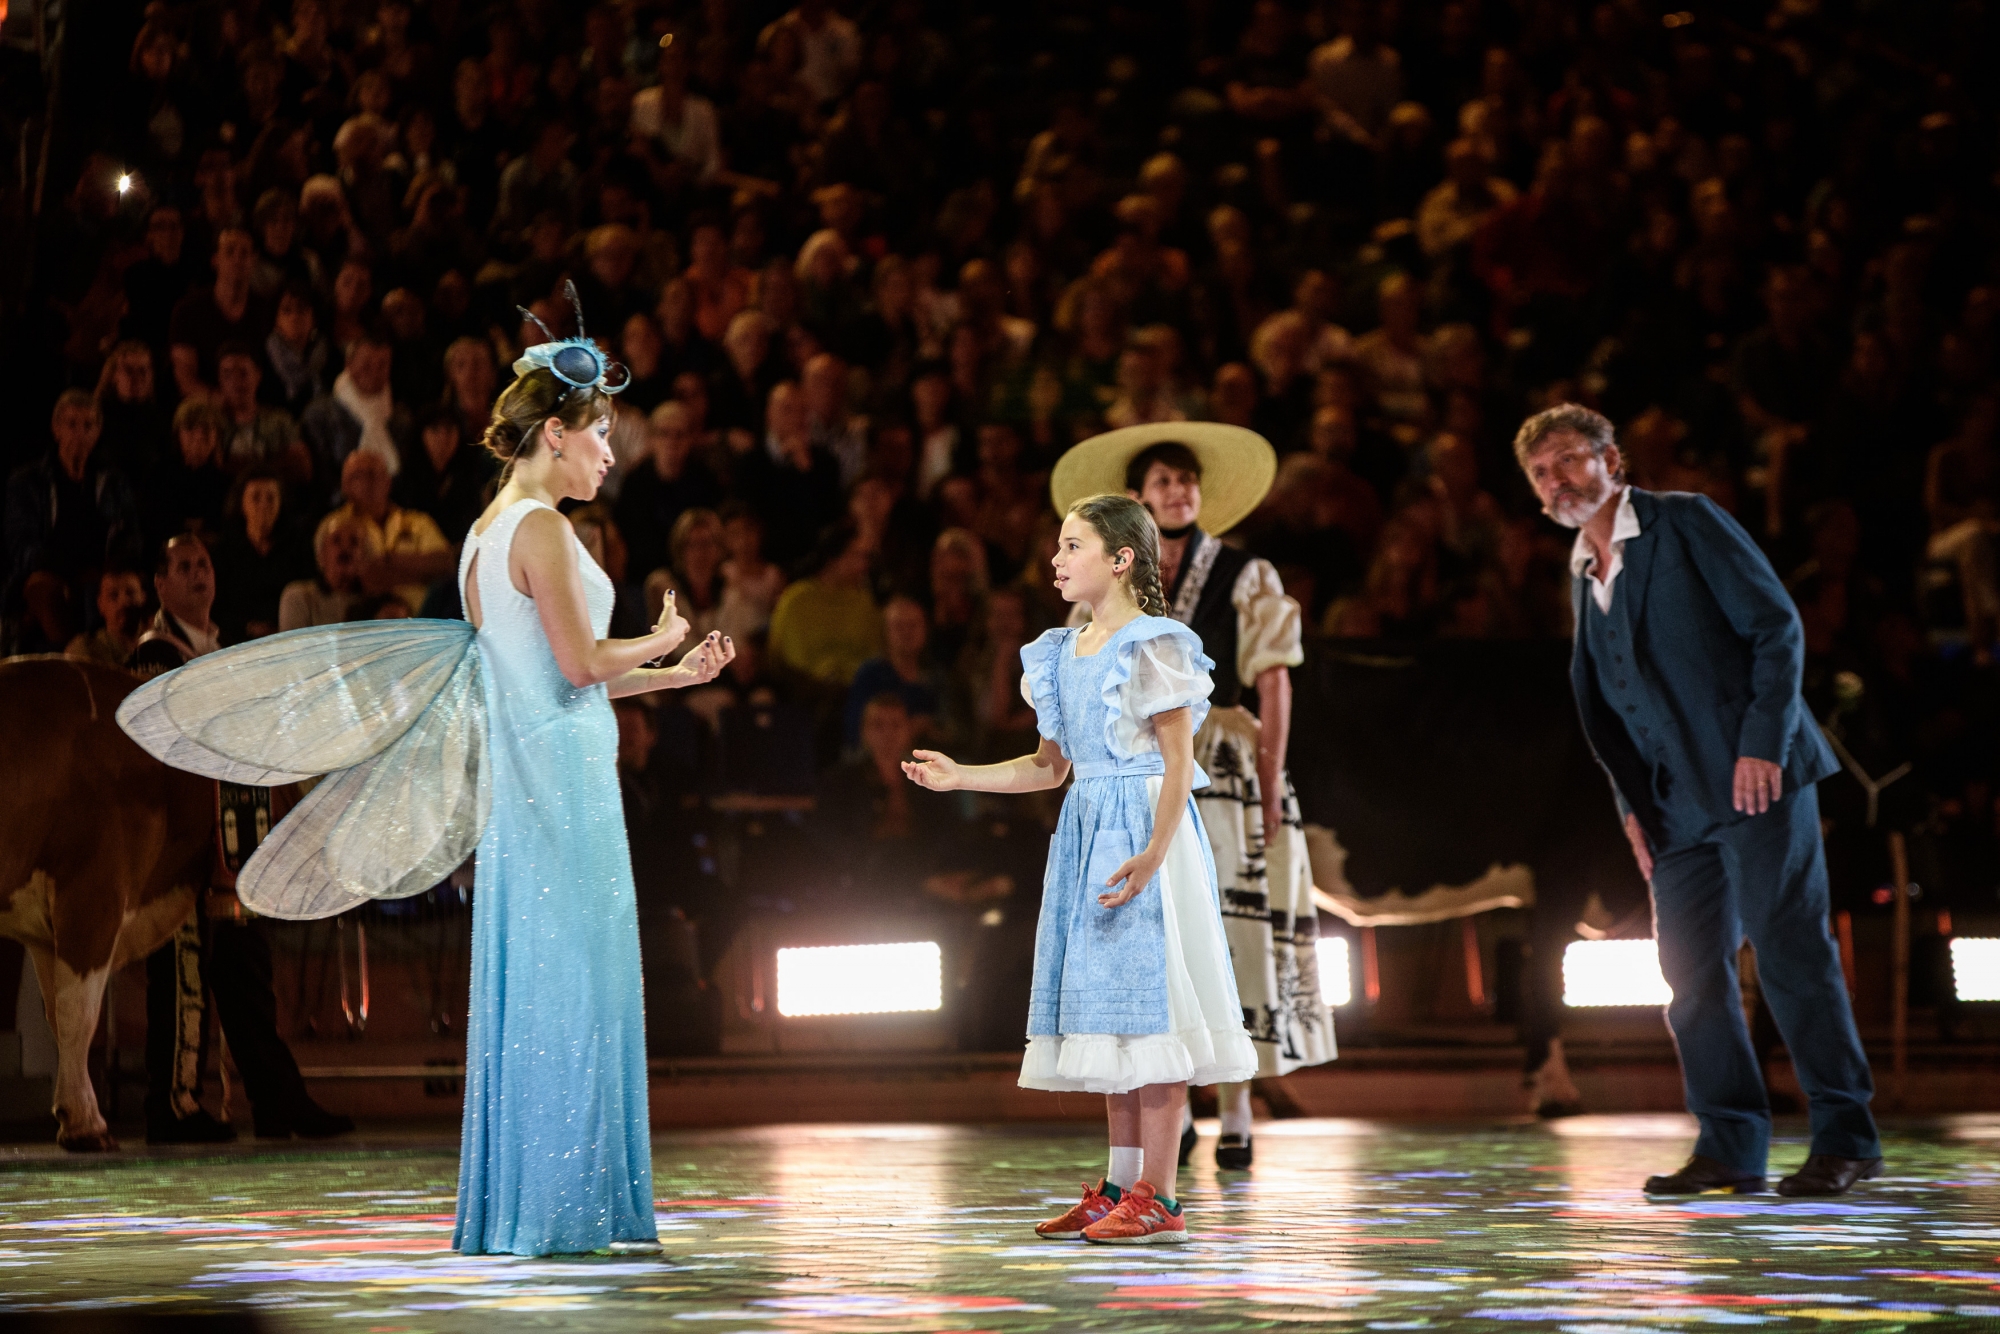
(391, 826)
(392, 712)
(290, 706)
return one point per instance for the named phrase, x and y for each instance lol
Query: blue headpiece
(578, 362)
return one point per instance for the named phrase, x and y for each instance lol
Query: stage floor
(1366, 1225)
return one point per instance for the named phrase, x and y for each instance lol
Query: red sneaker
(1096, 1204)
(1139, 1220)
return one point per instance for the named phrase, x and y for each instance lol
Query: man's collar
(1624, 525)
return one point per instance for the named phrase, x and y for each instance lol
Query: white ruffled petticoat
(1207, 1044)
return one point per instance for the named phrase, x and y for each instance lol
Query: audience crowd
(875, 266)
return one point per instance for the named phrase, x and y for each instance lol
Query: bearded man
(1686, 669)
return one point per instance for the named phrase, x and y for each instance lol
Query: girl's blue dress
(429, 740)
(1143, 993)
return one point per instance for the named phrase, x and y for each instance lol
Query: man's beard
(1573, 508)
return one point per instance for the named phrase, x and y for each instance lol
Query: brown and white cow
(101, 850)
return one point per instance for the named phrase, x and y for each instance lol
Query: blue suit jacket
(1719, 653)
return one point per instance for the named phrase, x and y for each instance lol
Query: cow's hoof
(96, 1142)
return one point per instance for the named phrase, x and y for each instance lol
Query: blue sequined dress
(556, 1154)
(428, 741)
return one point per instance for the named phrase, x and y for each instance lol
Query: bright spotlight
(124, 182)
(1975, 968)
(1336, 978)
(860, 979)
(1613, 972)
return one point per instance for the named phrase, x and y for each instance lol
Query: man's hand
(1759, 784)
(1642, 852)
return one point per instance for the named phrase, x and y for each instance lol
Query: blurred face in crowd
(364, 481)
(132, 375)
(368, 367)
(352, 287)
(746, 341)
(470, 370)
(187, 587)
(691, 392)
(279, 228)
(121, 602)
(1571, 479)
(744, 536)
(904, 629)
(701, 550)
(676, 309)
(825, 386)
(238, 379)
(931, 396)
(639, 341)
(1235, 392)
(197, 444)
(708, 251)
(76, 427)
(785, 412)
(234, 254)
(669, 438)
(886, 731)
(295, 319)
(1006, 619)
(339, 557)
(1333, 433)
(263, 498)
(636, 736)
(164, 234)
(1172, 494)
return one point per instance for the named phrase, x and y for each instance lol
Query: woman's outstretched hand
(705, 661)
(1137, 872)
(939, 773)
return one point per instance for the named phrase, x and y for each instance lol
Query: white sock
(1234, 1102)
(1125, 1165)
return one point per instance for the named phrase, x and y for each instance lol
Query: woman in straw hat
(1199, 479)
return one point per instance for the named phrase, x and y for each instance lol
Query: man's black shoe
(1825, 1174)
(197, 1128)
(308, 1120)
(1188, 1140)
(1705, 1176)
(1233, 1153)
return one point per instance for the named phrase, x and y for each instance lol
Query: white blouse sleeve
(1269, 624)
(1161, 668)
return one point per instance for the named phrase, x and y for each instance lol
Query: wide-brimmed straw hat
(1237, 467)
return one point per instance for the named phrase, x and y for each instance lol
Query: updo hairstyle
(524, 405)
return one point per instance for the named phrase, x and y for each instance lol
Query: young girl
(1133, 994)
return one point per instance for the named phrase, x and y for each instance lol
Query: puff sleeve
(1160, 666)
(1268, 623)
(1038, 681)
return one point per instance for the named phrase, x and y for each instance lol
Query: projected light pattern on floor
(1975, 968)
(860, 979)
(1336, 976)
(1613, 972)
(909, 1229)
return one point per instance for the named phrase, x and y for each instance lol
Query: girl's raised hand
(939, 773)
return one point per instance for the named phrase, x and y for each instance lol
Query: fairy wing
(391, 712)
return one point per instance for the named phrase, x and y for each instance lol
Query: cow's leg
(73, 1001)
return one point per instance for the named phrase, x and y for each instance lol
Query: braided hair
(1122, 522)
(518, 414)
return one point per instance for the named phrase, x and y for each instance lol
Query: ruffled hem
(1039, 664)
(1113, 1063)
(1123, 648)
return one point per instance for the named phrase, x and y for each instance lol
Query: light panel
(1613, 972)
(1975, 968)
(860, 979)
(1336, 974)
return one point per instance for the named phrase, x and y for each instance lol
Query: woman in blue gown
(437, 737)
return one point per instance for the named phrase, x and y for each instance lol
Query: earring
(557, 452)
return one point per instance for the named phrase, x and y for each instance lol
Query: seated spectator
(1355, 507)
(745, 381)
(1232, 399)
(182, 629)
(1284, 398)
(121, 618)
(839, 432)
(1144, 395)
(470, 385)
(903, 671)
(328, 598)
(793, 484)
(943, 449)
(298, 354)
(986, 680)
(751, 584)
(720, 289)
(1392, 353)
(826, 625)
(416, 376)
(260, 554)
(255, 435)
(360, 414)
(1962, 496)
(402, 550)
(958, 584)
(1399, 599)
(891, 834)
(226, 312)
(683, 346)
(669, 481)
(190, 489)
(1453, 212)
(64, 513)
(694, 576)
(138, 420)
(677, 128)
(445, 476)
(644, 354)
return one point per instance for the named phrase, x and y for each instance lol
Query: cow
(103, 850)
